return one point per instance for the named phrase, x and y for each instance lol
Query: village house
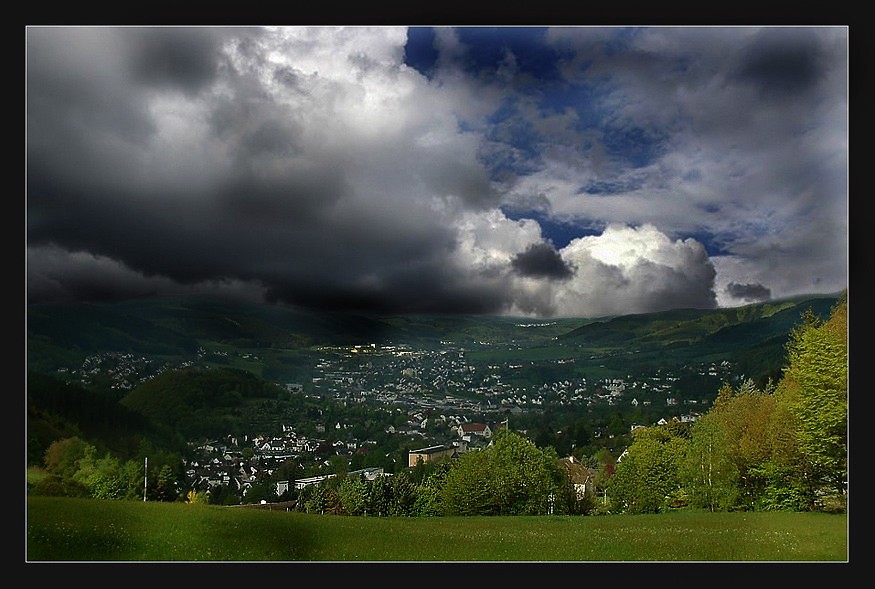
(582, 477)
(466, 430)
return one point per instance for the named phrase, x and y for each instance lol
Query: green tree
(779, 488)
(352, 495)
(738, 447)
(132, 473)
(428, 492)
(77, 470)
(339, 465)
(103, 477)
(62, 459)
(261, 490)
(314, 498)
(223, 495)
(724, 395)
(708, 471)
(403, 493)
(55, 486)
(605, 464)
(288, 471)
(647, 478)
(62, 456)
(322, 497)
(814, 390)
(746, 421)
(512, 476)
(196, 497)
(380, 497)
(166, 486)
(467, 489)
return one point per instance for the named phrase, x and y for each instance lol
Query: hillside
(56, 410)
(61, 333)
(747, 324)
(198, 402)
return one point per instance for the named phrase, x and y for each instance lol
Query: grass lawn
(65, 529)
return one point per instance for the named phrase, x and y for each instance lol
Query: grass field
(76, 530)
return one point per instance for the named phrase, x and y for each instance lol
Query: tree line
(779, 447)
(511, 476)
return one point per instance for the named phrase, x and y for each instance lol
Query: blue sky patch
(605, 188)
(420, 52)
(559, 233)
(488, 47)
(713, 245)
(635, 145)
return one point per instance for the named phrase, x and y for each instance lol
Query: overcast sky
(569, 171)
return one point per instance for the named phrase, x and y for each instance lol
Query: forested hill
(62, 335)
(751, 337)
(750, 323)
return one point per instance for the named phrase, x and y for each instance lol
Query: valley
(251, 390)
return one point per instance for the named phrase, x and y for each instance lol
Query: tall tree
(708, 471)
(352, 494)
(428, 491)
(402, 491)
(743, 448)
(380, 496)
(814, 390)
(647, 478)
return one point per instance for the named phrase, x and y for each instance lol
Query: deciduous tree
(352, 494)
(708, 472)
(647, 479)
(512, 476)
(814, 389)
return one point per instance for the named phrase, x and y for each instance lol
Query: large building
(429, 454)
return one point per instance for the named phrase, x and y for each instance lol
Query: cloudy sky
(569, 171)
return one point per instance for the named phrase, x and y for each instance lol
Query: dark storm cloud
(428, 290)
(174, 160)
(77, 109)
(782, 62)
(55, 274)
(541, 260)
(183, 58)
(748, 292)
(89, 277)
(313, 165)
(208, 189)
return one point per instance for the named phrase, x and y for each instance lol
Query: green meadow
(73, 530)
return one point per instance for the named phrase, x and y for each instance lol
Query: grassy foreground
(64, 529)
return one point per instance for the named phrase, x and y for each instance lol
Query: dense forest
(774, 445)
